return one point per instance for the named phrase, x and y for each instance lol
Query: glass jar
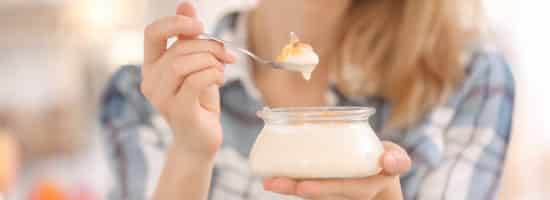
(316, 142)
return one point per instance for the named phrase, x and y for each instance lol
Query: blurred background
(56, 56)
(55, 59)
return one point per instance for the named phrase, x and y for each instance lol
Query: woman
(444, 99)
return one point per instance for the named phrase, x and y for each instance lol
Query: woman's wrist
(182, 152)
(185, 174)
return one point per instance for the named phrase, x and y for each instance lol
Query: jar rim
(328, 113)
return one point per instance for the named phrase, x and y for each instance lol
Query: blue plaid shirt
(457, 149)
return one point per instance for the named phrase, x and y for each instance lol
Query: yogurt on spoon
(299, 56)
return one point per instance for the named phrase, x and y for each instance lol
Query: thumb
(395, 160)
(186, 9)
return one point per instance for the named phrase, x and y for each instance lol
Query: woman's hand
(182, 84)
(182, 81)
(385, 185)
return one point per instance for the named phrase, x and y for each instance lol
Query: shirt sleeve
(125, 117)
(473, 143)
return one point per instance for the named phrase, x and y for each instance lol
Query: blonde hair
(405, 51)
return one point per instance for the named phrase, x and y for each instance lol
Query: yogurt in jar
(334, 146)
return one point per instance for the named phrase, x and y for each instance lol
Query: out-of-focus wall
(55, 59)
(208, 10)
(58, 54)
(55, 56)
(527, 171)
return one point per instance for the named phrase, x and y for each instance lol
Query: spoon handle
(236, 47)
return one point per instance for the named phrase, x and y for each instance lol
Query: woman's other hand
(385, 185)
(181, 81)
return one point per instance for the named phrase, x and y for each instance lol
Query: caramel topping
(293, 48)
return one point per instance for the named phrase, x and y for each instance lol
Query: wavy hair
(408, 52)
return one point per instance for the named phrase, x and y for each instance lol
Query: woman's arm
(184, 176)
(181, 82)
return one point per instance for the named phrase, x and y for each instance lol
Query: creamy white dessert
(300, 56)
(316, 150)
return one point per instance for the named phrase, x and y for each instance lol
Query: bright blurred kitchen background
(56, 56)
(55, 59)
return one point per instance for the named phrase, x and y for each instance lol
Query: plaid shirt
(457, 149)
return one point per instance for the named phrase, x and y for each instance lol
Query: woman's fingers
(354, 188)
(196, 83)
(193, 63)
(181, 59)
(186, 9)
(186, 47)
(280, 185)
(157, 34)
(360, 188)
(178, 70)
(395, 160)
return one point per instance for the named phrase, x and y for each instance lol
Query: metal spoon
(272, 63)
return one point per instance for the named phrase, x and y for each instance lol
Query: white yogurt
(320, 150)
(301, 57)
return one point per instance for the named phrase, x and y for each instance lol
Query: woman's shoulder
(490, 62)
(486, 68)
